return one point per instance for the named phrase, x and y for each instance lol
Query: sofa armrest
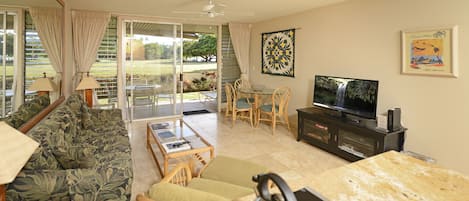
(180, 175)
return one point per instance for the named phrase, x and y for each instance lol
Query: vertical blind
(105, 67)
(230, 71)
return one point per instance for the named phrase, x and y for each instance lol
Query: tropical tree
(153, 51)
(187, 48)
(205, 47)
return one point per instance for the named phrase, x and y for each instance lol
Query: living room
(355, 39)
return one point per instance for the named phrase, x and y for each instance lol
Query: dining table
(258, 94)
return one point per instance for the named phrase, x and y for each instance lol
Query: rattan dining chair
(236, 105)
(277, 110)
(242, 84)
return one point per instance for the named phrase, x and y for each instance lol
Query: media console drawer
(343, 138)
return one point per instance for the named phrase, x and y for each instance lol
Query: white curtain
(48, 22)
(88, 31)
(241, 39)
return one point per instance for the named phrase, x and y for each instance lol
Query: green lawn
(149, 67)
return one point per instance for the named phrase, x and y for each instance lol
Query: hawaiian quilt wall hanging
(278, 53)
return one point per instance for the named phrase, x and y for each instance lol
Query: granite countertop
(390, 176)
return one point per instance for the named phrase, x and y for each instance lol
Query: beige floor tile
(296, 162)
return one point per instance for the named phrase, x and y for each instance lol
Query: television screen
(353, 96)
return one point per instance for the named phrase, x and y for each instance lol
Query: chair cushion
(268, 108)
(172, 192)
(242, 104)
(233, 171)
(223, 189)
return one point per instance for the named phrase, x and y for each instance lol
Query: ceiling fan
(211, 9)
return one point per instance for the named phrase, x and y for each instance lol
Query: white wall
(361, 39)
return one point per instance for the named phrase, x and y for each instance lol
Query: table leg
(255, 105)
(148, 136)
(165, 166)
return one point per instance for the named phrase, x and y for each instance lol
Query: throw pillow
(75, 157)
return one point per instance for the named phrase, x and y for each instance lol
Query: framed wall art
(278, 53)
(430, 52)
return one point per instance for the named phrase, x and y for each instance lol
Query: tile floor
(296, 162)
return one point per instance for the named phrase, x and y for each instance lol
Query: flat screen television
(348, 95)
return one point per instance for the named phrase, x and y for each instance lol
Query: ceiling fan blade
(208, 7)
(189, 12)
(244, 14)
(221, 5)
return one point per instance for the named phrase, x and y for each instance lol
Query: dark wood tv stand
(343, 137)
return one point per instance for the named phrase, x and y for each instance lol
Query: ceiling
(248, 11)
(30, 3)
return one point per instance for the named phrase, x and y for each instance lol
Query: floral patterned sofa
(84, 154)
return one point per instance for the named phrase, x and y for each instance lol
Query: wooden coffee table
(159, 134)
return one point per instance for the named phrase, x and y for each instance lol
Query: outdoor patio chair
(144, 96)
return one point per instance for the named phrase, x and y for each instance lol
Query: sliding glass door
(152, 66)
(8, 35)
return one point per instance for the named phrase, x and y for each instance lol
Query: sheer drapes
(88, 31)
(240, 38)
(48, 22)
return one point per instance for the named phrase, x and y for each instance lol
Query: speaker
(394, 119)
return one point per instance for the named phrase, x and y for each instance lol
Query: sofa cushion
(172, 192)
(39, 185)
(75, 156)
(241, 171)
(79, 108)
(42, 159)
(92, 184)
(223, 189)
(67, 121)
(27, 110)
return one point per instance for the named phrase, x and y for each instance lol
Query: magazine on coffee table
(166, 135)
(177, 145)
(158, 126)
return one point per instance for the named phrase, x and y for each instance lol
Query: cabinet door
(317, 131)
(356, 144)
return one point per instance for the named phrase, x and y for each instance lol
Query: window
(8, 24)
(105, 67)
